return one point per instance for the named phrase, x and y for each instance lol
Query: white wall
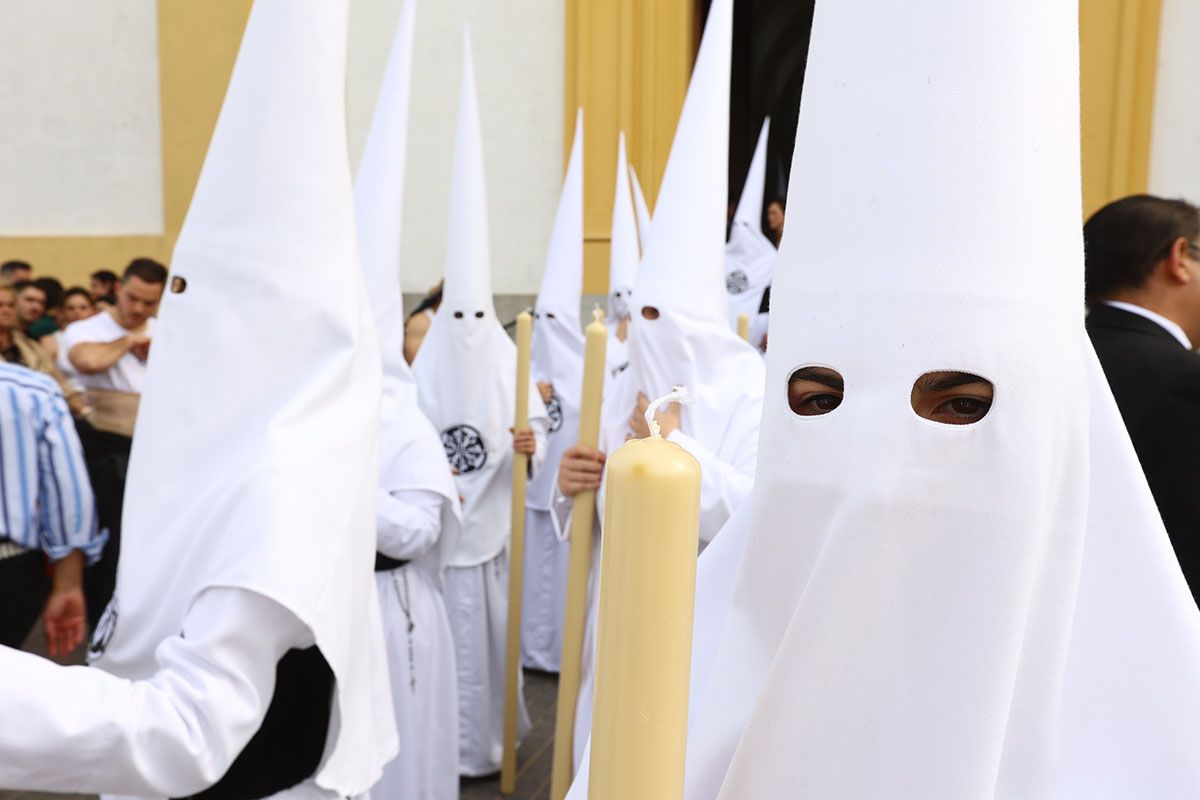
(1175, 142)
(519, 69)
(81, 149)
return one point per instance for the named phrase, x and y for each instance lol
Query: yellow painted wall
(1119, 53)
(197, 45)
(627, 64)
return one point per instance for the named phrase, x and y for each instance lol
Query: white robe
(544, 594)
(420, 651)
(477, 602)
(171, 735)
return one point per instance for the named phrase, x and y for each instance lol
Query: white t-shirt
(127, 375)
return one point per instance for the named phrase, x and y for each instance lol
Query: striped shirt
(46, 500)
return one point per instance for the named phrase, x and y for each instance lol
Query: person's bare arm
(92, 357)
(65, 611)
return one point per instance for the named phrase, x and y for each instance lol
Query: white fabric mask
(466, 366)
(557, 348)
(255, 460)
(411, 452)
(926, 610)
(749, 255)
(682, 271)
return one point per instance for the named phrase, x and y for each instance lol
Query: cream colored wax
(579, 564)
(644, 640)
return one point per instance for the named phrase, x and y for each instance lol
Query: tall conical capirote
(254, 463)
(411, 453)
(937, 596)
(557, 348)
(466, 367)
(625, 251)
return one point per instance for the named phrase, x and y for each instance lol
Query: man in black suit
(1143, 295)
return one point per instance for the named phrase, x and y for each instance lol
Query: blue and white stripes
(46, 501)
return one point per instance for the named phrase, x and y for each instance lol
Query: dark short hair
(20, 286)
(52, 289)
(78, 291)
(146, 269)
(104, 276)
(9, 267)
(1126, 239)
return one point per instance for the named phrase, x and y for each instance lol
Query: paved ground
(533, 759)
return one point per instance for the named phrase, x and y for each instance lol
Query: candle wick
(679, 395)
(597, 313)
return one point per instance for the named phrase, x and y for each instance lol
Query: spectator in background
(1143, 294)
(31, 304)
(15, 271)
(417, 324)
(53, 517)
(775, 215)
(17, 348)
(49, 322)
(108, 353)
(104, 284)
(76, 304)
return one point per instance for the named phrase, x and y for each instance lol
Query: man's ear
(1176, 263)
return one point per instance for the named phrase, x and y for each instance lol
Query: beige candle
(516, 563)
(583, 515)
(644, 640)
(743, 329)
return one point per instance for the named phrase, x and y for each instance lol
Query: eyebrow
(821, 375)
(934, 382)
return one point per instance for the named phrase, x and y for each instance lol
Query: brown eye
(952, 398)
(813, 391)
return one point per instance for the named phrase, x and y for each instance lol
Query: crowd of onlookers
(74, 362)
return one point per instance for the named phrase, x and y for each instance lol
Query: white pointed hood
(642, 208)
(749, 254)
(682, 270)
(625, 251)
(466, 366)
(557, 350)
(411, 453)
(254, 462)
(936, 611)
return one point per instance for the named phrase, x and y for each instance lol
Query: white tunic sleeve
(82, 730)
(725, 480)
(408, 522)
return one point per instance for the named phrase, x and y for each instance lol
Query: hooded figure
(916, 609)
(418, 510)
(749, 254)
(245, 629)
(465, 370)
(622, 266)
(679, 332)
(556, 364)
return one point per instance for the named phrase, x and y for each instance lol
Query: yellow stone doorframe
(1119, 65)
(627, 65)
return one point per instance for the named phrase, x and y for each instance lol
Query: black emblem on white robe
(103, 634)
(554, 411)
(737, 282)
(465, 448)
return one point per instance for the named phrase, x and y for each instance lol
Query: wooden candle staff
(579, 564)
(516, 564)
(644, 639)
